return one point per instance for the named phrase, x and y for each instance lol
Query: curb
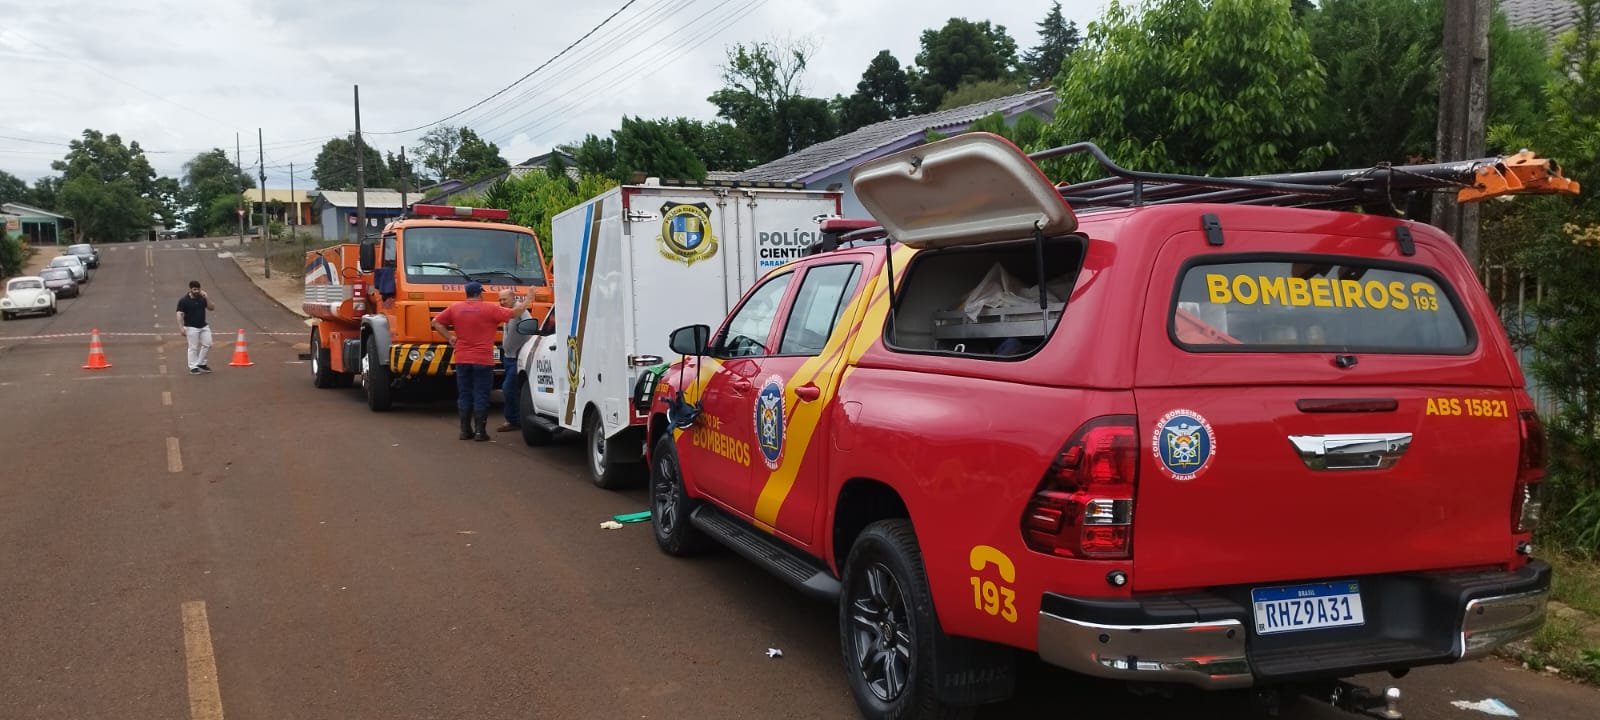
(247, 276)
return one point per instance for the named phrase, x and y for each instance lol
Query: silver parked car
(85, 252)
(80, 271)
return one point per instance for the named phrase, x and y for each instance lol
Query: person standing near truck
(510, 344)
(469, 327)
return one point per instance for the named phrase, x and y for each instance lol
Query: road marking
(166, 397)
(205, 697)
(174, 457)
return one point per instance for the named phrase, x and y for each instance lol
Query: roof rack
(1383, 188)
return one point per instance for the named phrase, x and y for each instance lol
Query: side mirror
(690, 340)
(369, 256)
(530, 326)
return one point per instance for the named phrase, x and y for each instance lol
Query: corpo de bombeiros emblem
(1183, 443)
(686, 232)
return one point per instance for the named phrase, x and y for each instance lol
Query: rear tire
(670, 504)
(322, 376)
(888, 631)
(532, 434)
(375, 379)
(607, 475)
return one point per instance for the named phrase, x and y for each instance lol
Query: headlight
(428, 356)
(5, 303)
(412, 356)
(42, 301)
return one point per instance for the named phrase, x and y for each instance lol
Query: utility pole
(361, 176)
(266, 220)
(1463, 91)
(403, 173)
(238, 202)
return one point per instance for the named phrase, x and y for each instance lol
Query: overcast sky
(182, 76)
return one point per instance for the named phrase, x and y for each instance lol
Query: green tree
(1561, 247)
(976, 92)
(335, 166)
(719, 145)
(45, 193)
(208, 177)
(594, 156)
(1058, 37)
(475, 157)
(437, 150)
(883, 93)
(1382, 61)
(960, 52)
(654, 148)
(109, 188)
(12, 188)
(1224, 87)
(761, 96)
(534, 199)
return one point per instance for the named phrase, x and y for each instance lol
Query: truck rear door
(1315, 407)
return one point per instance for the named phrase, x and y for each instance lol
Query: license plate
(1307, 607)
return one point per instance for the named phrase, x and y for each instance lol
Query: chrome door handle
(1366, 451)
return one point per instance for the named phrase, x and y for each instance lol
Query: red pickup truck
(1168, 429)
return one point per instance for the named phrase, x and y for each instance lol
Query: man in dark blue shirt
(192, 319)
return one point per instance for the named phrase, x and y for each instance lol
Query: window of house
(749, 329)
(823, 295)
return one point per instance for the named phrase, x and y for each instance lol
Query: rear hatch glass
(1317, 305)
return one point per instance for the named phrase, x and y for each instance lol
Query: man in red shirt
(469, 326)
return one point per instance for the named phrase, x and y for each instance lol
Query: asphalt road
(243, 545)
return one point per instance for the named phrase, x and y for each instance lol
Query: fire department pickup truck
(1176, 430)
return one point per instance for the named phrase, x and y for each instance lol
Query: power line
(530, 73)
(577, 82)
(602, 45)
(660, 59)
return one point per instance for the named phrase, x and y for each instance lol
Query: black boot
(480, 425)
(466, 424)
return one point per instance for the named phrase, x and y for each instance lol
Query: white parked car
(27, 294)
(80, 271)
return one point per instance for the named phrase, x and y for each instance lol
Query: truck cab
(373, 301)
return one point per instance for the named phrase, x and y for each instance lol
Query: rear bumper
(1207, 639)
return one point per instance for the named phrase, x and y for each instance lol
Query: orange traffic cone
(97, 354)
(241, 354)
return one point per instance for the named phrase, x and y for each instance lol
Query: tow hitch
(1357, 699)
(1340, 694)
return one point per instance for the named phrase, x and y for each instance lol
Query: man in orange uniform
(469, 326)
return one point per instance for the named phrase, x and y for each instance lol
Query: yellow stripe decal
(803, 423)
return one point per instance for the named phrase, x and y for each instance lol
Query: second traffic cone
(241, 354)
(97, 354)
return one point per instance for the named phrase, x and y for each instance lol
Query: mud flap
(973, 672)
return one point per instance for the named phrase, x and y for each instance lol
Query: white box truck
(629, 266)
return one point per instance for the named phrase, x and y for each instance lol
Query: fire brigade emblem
(686, 233)
(1183, 443)
(769, 421)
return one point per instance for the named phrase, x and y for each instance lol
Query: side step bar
(544, 423)
(802, 572)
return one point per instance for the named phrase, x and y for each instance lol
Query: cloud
(182, 76)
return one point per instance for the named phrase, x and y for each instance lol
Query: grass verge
(1569, 641)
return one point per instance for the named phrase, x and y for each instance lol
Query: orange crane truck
(372, 301)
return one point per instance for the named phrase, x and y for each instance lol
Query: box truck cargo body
(630, 265)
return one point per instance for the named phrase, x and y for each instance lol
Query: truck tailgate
(1266, 484)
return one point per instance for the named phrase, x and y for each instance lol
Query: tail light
(1084, 505)
(358, 295)
(1526, 500)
